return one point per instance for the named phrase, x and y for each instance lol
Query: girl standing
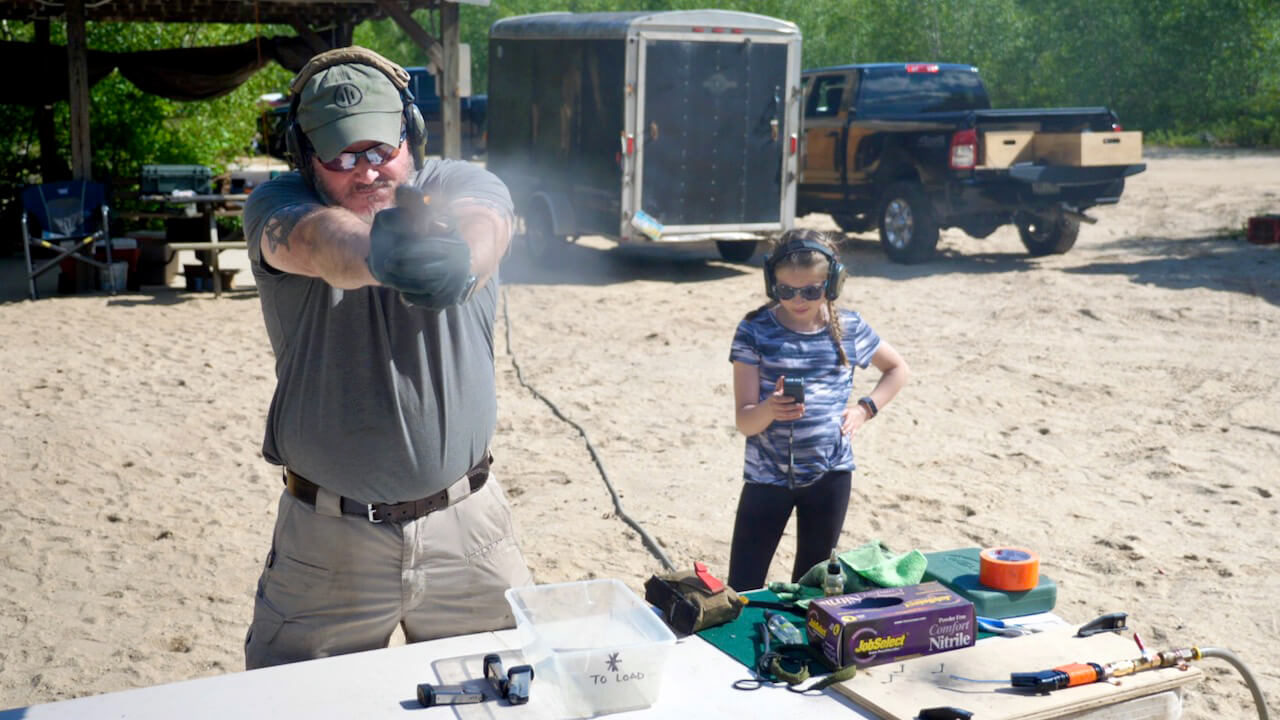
(799, 454)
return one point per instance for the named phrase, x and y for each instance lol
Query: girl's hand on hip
(783, 407)
(853, 418)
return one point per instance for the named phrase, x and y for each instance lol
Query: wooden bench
(227, 245)
(215, 249)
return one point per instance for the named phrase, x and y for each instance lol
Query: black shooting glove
(418, 252)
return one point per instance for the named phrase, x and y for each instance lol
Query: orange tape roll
(1009, 569)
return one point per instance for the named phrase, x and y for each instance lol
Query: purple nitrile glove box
(890, 624)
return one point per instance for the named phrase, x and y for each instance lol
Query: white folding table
(382, 684)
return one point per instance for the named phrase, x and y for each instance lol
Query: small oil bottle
(782, 629)
(833, 582)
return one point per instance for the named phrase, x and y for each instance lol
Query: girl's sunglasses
(808, 292)
(376, 155)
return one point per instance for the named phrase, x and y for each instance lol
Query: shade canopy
(202, 73)
(314, 13)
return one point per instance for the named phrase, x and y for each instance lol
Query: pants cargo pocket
(495, 562)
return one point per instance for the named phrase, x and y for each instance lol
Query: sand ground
(1116, 408)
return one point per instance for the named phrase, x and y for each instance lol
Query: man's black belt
(305, 490)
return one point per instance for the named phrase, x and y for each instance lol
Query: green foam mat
(740, 638)
(958, 570)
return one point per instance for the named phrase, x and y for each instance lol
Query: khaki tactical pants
(337, 583)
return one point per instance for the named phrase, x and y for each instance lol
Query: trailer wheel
(738, 251)
(541, 243)
(1053, 235)
(908, 231)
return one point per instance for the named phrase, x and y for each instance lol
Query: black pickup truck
(910, 148)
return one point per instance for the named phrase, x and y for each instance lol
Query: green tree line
(1183, 71)
(1188, 72)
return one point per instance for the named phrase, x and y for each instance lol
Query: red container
(1264, 230)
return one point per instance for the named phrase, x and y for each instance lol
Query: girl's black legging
(763, 511)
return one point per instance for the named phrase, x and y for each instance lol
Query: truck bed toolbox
(1089, 148)
(1004, 148)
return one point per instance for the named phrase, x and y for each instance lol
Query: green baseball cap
(346, 104)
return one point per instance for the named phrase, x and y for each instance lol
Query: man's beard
(361, 204)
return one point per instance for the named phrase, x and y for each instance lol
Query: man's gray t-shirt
(376, 400)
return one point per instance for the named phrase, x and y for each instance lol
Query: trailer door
(710, 132)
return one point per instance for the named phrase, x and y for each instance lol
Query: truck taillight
(793, 144)
(964, 149)
(1117, 127)
(922, 68)
(628, 144)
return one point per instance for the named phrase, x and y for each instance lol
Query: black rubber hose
(649, 542)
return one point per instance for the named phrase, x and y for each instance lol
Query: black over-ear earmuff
(297, 147)
(835, 268)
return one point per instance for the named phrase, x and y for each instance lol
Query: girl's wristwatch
(870, 405)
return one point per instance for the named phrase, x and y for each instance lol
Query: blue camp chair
(72, 217)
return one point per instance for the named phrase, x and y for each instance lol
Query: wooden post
(423, 39)
(78, 98)
(450, 107)
(211, 218)
(51, 166)
(440, 58)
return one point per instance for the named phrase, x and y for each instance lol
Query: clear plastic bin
(595, 641)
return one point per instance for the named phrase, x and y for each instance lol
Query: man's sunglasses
(808, 292)
(376, 155)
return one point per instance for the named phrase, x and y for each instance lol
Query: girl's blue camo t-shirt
(814, 442)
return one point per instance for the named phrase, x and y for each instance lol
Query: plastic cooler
(597, 643)
(164, 179)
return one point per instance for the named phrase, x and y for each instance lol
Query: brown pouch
(692, 600)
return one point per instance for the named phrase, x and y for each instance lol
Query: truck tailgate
(1071, 119)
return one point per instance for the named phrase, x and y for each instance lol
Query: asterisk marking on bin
(613, 662)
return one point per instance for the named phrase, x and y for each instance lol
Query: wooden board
(898, 691)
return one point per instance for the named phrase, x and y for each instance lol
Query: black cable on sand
(595, 457)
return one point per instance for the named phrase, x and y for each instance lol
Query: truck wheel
(1052, 235)
(737, 251)
(541, 244)
(908, 232)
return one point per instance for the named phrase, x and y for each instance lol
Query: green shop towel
(871, 566)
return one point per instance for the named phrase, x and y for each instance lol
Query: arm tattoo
(282, 223)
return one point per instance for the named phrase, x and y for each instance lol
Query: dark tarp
(197, 73)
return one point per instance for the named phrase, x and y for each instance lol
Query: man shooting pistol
(377, 271)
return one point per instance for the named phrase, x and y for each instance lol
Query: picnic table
(211, 206)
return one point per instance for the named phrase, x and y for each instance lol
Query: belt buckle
(370, 509)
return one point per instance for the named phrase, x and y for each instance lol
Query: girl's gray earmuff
(296, 144)
(835, 268)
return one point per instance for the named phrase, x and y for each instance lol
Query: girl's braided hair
(807, 260)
